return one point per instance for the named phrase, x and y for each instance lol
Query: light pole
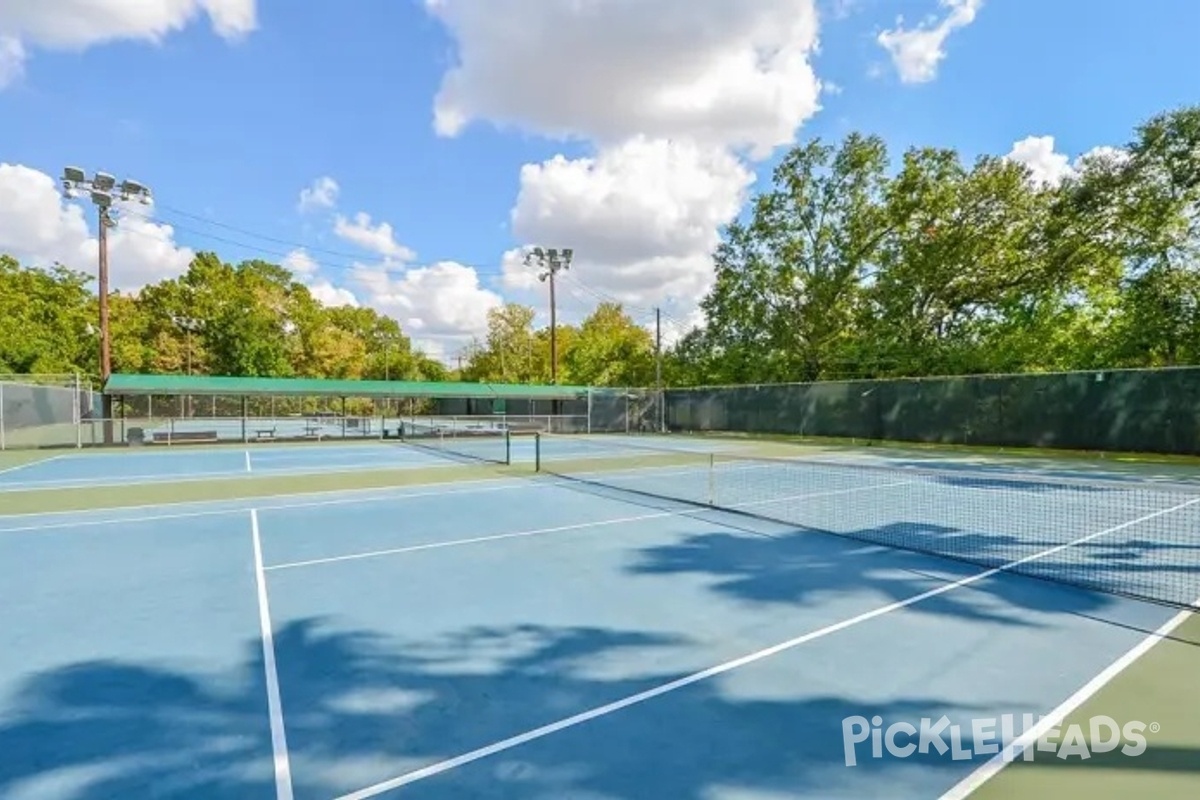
(551, 261)
(103, 190)
(188, 325)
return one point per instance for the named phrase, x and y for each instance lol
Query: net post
(507, 447)
(2, 444)
(712, 479)
(537, 451)
(170, 432)
(589, 410)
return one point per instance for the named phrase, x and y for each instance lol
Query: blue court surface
(510, 639)
(83, 468)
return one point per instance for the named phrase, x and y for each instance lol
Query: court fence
(37, 407)
(1144, 410)
(50, 412)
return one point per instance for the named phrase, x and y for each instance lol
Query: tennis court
(630, 622)
(159, 463)
(196, 463)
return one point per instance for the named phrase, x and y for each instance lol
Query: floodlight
(102, 199)
(104, 182)
(73, 175)
(568, 254)
(539, 253)
(131, 188)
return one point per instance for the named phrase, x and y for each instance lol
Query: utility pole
(658, 381)
(551, 261)
(102, 189)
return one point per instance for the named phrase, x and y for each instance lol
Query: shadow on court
(896, 560)
(361, 709)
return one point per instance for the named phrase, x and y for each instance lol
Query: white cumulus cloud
(301, 264)
(676, 97)
(329, 295)
(917, 53)
(378, 238)
(1048, 167)
(642, 217)
(718, 71)
(443, 302)
(26, 25)
(305, 268)
(440, 306)
(39, 228)
(322, 193)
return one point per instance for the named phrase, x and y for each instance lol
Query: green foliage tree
(43, 319)
(788, 281)
(845, 266)
(610, 349)
(510, 353)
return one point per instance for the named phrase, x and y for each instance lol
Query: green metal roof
(320, 387)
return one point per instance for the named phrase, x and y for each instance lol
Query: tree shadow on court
(798, 565)
(361, 708)
(794, 561)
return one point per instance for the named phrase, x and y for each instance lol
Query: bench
(264, 433)
(185, 436)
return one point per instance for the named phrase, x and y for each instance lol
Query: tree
(509, 355)
(610, 349)
(1159, 236)
(788, 281)
(44, 320)
(963, 253)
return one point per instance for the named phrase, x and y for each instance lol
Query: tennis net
(1129, 537)
(474, 442)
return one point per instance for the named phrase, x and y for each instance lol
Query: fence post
(589, 409)
(77, 409)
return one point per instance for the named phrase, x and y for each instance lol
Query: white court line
(283, 770)
(416, 548)
(990, 768)
(315, 468)
(719, 669)
(29, 464)
(248, 469)
(246, 503)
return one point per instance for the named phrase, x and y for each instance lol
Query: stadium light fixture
(100, 190)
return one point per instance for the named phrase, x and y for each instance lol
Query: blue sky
(228, 118)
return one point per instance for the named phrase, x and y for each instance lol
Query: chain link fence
(45, 410)
(1150, 411)
(50, 411)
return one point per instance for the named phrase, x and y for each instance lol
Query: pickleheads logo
(991, 736)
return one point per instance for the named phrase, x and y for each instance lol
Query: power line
(357, 261)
